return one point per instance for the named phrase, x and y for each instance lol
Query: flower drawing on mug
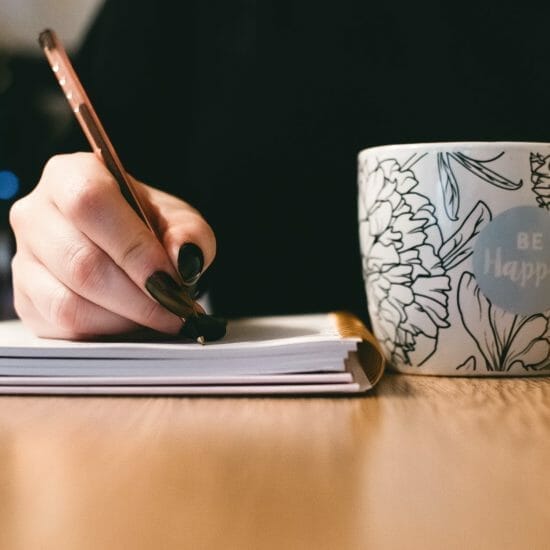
(449, 185)
(540, 178)
(506, 341)
(406, 259)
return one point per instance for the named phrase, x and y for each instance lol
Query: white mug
(455, 244)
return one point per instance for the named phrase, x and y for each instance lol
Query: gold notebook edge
(369, 352)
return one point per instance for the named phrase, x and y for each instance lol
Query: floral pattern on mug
(419, 223)
(540, 178)
(506, 341)
(405, 269)
(405, 280)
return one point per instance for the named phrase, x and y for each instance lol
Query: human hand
(86, 264)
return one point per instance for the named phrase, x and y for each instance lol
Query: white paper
(286, 354)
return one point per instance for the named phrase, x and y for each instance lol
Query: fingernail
(212, 328)
(190, 263)
(169, 294)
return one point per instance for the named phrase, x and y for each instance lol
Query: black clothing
(255, 111)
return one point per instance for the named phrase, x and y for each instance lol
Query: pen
(198, 326)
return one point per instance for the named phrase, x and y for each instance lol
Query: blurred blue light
(9, 185)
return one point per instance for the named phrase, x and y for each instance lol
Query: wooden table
(420, 462)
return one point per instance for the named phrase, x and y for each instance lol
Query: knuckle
(15, 264)
(57, 164)
(140, 250)
(18, 213)
(52, 164)
(84, 197)
(85, 266)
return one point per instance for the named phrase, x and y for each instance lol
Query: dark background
(32, 111)
(27, 124)
(268, 84)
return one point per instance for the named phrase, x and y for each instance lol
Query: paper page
(264, 336)
(264, 355)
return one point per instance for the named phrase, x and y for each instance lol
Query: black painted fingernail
(208, 326)
(168, 293)
(190, 263)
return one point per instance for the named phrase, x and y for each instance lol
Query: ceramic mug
(455, 244)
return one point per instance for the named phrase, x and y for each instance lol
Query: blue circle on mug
(511, 260)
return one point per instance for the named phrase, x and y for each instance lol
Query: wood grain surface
(420, 462)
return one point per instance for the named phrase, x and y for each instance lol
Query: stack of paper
(319, 353)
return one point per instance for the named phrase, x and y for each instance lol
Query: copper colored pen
(103, 148)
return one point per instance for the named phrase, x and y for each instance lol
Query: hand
(84, 259)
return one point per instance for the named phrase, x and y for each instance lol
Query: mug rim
(434, 145)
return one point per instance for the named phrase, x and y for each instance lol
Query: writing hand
(86, 264)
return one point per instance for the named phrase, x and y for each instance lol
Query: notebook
(323, 353)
